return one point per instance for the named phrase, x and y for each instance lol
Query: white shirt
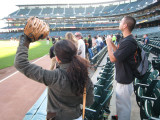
(100, 39)
(81, 47)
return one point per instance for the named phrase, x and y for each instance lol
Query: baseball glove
(36, 29)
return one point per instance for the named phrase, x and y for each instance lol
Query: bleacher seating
(146, 90)
(98, 10)
(35, 12)
(13, 14)
(156, 63)
(47, 11)
(69, 12)
(103, 90)
(58, 11)
(98, 57)
(23, 11)
(119, 9)
(79, 11)
(152, 107)
(87, 11)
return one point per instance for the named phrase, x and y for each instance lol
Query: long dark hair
(77, 71)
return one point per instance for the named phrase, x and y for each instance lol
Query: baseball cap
(78, 34)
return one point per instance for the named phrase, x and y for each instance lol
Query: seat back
(156, 107)
(153, 75)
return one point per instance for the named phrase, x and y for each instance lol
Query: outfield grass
(8, 51)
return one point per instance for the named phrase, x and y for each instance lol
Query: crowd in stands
(85, 45)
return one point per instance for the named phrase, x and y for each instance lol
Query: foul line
(18, 71)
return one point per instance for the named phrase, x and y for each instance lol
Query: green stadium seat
(151, 92)
(152, 109)
(96, 110)
(149, 75)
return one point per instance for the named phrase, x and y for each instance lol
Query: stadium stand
(35, 12)
(87, 10)
(69, 12)
(23, 12)
(101, 19)
(58, 10)
(47, 11)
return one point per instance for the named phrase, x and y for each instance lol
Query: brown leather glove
(36, 29)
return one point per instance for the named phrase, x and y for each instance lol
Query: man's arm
(110, 51)
(114, 47)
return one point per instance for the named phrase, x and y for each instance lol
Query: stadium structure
(89, 18)
(100, 18)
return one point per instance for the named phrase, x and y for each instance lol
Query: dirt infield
(18, 93)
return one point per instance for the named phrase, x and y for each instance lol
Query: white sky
(9, 6)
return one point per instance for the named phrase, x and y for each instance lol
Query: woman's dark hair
(77, 71)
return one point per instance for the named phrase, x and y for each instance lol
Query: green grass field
(8, 50)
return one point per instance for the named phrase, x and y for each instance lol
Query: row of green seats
(103, 90)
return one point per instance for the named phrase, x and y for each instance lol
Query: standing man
(89, 47)
(146, 39)
(81, 44)
(97, 44)
(48, 40)
(123, 56)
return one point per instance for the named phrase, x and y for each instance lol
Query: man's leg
(90, 54)
(123, 101)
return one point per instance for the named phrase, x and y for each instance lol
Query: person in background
(47, 40)
(59, 38)
(100, 40)
(104, 40)
(53, 40)
(97, 44)
(135, 36)
(52, 55)
(51, 51)
(72, 38)
(90, 47)
(146, 39)
(81, 45)
(86, 46)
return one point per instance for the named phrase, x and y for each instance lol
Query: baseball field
(8, 50)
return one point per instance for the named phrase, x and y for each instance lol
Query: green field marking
(7, 50)
(7, 54)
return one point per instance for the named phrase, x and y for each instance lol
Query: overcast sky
(9, 6)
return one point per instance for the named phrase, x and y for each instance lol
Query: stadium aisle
(18, 93)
